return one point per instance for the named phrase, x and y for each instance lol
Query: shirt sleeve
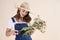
(10, 24)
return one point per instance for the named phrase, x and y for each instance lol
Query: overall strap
(13, 19)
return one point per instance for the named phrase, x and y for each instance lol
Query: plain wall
(49, 10)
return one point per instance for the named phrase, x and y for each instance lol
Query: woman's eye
(23, 10)
(27, 11)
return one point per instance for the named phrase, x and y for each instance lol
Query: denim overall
(21, 36)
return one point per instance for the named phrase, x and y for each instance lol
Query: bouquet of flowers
(38, 24)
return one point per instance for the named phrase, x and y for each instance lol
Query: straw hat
(24, 6)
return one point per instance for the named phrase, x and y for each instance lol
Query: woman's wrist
(14, 32)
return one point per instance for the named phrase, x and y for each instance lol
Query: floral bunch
(38, 24)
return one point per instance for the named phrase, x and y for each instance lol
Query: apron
(21, 36)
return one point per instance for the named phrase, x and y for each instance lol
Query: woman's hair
(26, 18)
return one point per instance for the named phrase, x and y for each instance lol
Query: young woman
(17, 22)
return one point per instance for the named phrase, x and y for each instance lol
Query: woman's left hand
(32, 31)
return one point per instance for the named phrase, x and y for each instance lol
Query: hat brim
(24, 9)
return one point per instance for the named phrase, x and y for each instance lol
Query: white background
(49, 10)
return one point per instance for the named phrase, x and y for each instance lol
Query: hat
(25, 6)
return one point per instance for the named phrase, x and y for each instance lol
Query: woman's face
(23, 12)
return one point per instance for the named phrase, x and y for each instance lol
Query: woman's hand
(15, 32)
(10, 32)
(32, 31)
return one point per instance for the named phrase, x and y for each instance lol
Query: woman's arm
(32, 31)
(10, 32)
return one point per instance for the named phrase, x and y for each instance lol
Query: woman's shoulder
(11, 20)
(29, 24)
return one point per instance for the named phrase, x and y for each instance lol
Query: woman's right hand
(14, 32)
(10, 32)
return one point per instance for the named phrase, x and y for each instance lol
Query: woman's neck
(21, 20)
